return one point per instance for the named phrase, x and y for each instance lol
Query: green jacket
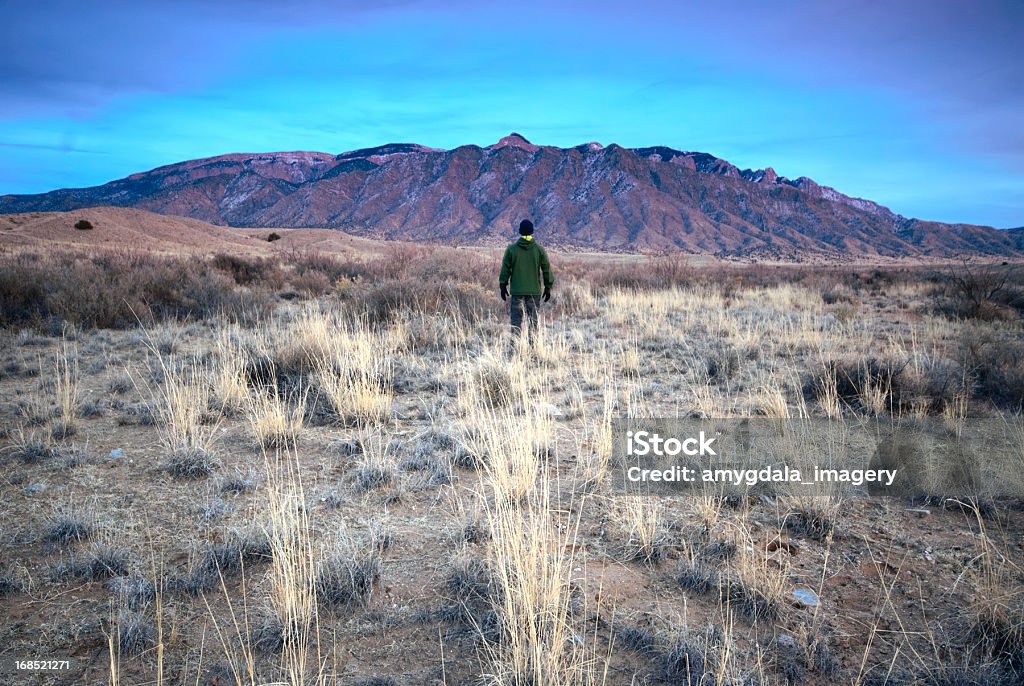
(523, 263)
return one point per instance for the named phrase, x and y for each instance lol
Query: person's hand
(504, 292)
(547, 293)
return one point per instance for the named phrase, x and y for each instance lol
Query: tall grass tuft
(179, 404)
(229, 390)
(531, 558)
(275, 423)
(293, 572)
(66, 390)
(353, 371)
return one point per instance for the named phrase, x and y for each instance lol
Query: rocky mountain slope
(589, 196)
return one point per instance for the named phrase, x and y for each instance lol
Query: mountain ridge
(592, 196)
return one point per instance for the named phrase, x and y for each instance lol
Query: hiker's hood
(525, 242)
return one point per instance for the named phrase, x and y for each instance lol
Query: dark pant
(524, 304)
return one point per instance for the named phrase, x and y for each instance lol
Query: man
(524, 263)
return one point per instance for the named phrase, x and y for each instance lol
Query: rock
(33, 489)
(806, 597)
(117, 452)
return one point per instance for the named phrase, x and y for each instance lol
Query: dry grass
(293, 570)
(179, 404)
(375, 467)
(229, 389)
(276, 423)
(642, 517)
(757, 587)
(405, 367)
(66, 378)
(531, 563)
(353, 371)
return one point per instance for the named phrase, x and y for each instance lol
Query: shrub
(384, 302)
(135, 633)
(637, 639)
(23, 292)
(816, 523)
(274, 236)
(133, 592)
(9, 584)
(192, 463)
(872, 385)
(331, 268)
(102, 561)
(982, 292)
(119, 289)
(997, 365)
(83, 225)
(697, 659)
(68, 529)
(347, 582)
(249, 271)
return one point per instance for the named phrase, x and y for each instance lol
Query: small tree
(978, 290)
(83, 225)
(273, 237)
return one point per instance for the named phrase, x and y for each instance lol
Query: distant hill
(589, 196)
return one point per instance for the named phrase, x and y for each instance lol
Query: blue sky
(917, 105)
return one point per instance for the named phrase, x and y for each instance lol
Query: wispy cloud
(53, 148)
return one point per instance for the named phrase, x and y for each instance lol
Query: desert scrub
(229, 385)
(706, 657)
(12, 583)
(346, 579)
(118, 289)
(238, 550)
(996, 613)
(179, 404)
(696, 575)
(31, 447)
(69, 528)
(870, 385)
(275, 423)
(133, 592)
(102, 559)
(353, 373)
(293, 572)
(640, 516)
(192, 463)
(133, 632)
(66, 391)
(375, 467)
(814, 516)
(237, 483)
(470, 590)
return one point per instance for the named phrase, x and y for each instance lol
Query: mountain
(588, 196)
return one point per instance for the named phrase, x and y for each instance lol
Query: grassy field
(330, 465)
